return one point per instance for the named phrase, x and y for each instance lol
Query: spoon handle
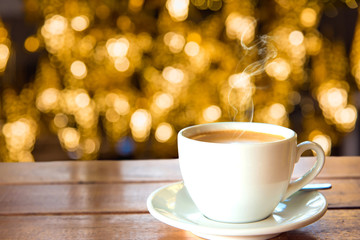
(317, 186)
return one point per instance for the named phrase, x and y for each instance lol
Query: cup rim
(189, 131)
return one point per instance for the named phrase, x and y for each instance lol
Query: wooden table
(107, 200)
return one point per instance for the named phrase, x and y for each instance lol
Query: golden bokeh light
(296, 38)
(32, 44)
(20, 138)
(121, 105)
(140, 124)
(322, 139)
(332, 98)
(279, 68)
(135, 5)
(55, 25)
(122, 64)
(117, 48)
(240, 27)
(140, 119)
(70, 138)
(346, 118)
(192, 49)
(54, 31)
(48, 99)
(277, 111)
(4, 56)
(240, 80)
(164, 132)
(17, 129)
(178, 9)
(131, 74)
(86, 117)
(174, 41)
(118, 104)
(211, 113)
(313, 43)
(80, 23)
(61, 120)
(124, 23)
(336, 97)
(90, 146)
(308, 17)
(173, 75)
(110, 98)
(112, 115)
(274, 113)
(78, 69)
(164, 100)
(82, 100)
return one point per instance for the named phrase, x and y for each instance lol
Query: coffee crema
(236, 136)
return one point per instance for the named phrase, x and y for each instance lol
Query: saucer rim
(267, 230)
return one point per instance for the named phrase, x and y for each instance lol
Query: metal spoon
(316, 186)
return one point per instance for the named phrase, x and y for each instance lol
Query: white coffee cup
(243, 181)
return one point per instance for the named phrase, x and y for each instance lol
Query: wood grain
(107, 200)
(75, 199)
(122, 197)
(335, 224)
(140, 171)
(89, 171)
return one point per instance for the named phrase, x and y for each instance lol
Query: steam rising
(240, 83)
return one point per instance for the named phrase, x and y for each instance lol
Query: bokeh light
(78, 69)
(308, 17)
(80, 23)
(117, 48)
(164, 132)
(164, 100)
(174, 41)
(173, 75)
(279, 68)
(240, 80)
(56, 25)
(126, 76)
(69, 138)
(212, 113)
(48, 99)
(32, 44)
(140, 124)
(240, 27)
(192, 49)
(122, 64)
(296, 38)
(322, 139)
(178, 9)
(4, 56)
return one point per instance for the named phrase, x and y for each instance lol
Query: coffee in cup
(239, 172)
(235, 136)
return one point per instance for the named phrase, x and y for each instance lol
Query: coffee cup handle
(296, 185)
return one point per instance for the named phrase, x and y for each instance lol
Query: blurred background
(117, 79)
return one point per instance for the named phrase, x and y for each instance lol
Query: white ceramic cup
(242, 182)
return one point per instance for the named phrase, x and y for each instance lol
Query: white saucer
(172, 205)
